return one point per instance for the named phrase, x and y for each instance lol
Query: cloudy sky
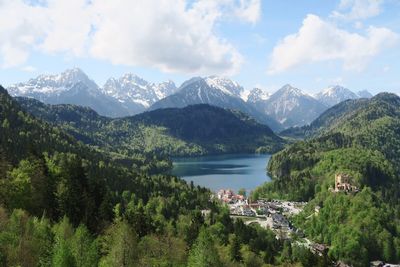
(310, 44)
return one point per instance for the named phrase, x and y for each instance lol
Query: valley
(204, 146)
(199, 133)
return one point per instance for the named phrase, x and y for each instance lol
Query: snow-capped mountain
(225, 85)
(45, 86)
(125, 96)
(334, 95)
(257, 94)
(133, 90)
(72, 86)
(291, 107)
(130, 94)
(215, 91)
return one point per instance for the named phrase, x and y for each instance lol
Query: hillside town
(272, 214)
(277, 215)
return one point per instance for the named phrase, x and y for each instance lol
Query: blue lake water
(233, 171)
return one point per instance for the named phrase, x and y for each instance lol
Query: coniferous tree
(203, 252)
(120, 246)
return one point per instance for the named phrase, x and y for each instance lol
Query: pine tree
(120, 246)
(235, 249)
(203, 252)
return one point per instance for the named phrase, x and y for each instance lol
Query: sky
(310, 44)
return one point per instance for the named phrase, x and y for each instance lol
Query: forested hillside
(64, 204)
(327, 120)
(194, 130)
(363, 141)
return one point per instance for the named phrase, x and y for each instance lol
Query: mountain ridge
(199, 91)
(131, 94)
(193, 130)
(290, 106)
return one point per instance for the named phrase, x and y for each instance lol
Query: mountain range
(335, 94)
(192, 130)
(214, 91)
(290, 106)
(130, 95)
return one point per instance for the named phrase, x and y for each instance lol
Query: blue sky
(310, 44)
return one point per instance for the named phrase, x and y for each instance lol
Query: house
(229, 197)
(246, 211)
(225, 194)
(343, 183)
(279, 221)
(319, 249)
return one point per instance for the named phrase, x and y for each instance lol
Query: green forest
(189, 131)
(66, 203)
(73, 195)
(362, 142)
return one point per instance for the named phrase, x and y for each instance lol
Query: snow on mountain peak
(48, 84)
(225, 85)
(334, 95)
(257, 94)
(289, 90)
(133, 79)
(132, 88)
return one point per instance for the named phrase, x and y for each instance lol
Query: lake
(233, 171)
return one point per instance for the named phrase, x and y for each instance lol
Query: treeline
(194, 130)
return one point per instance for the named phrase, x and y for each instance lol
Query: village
(277, 214)
(273, 214)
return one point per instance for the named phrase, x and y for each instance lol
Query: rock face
(133, 90)
(214, 91)
(130, 95)
(334, 95)
(70, 87)
(121, 97)
(290, 106)
(257, 94)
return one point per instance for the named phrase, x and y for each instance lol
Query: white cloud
(28, 69)
(165, 35)
(249, 10)
(358, 9)
(18, 31)
(318, 40)
(67, 27)
(172, 35)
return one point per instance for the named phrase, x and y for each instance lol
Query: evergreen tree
(203, 252)
(235, 249)
(84, 248)
(62, 253)
(120, 246)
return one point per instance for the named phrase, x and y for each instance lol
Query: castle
(343, 183)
